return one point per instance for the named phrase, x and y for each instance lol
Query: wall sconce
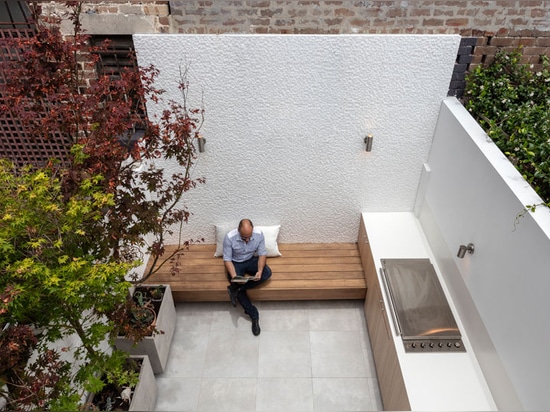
(368, 142)
(202, 142)
(463, 249)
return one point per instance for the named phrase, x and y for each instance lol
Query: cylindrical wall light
(202, 142)
(465, 248)
(368, 142)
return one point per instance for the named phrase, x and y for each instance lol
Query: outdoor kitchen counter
(434, 381)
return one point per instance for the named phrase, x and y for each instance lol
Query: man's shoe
(255, 327)
(233, 295)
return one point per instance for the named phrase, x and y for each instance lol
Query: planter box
(144, 396)
(156, 347)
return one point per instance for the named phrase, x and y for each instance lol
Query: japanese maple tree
(72, 229)
(54, 88)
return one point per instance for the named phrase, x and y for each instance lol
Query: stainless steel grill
(422, 315)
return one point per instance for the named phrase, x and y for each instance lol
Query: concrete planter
(156, 347)
(144, 396)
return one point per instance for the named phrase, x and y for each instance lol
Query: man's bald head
(245, 228)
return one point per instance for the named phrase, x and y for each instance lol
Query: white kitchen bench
(432, 381)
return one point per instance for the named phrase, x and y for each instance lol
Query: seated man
(244, 253)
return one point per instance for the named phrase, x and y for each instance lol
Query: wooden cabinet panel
(366, 254)
(390, 379)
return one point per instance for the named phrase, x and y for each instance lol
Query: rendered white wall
(286, 116)
(472, 193)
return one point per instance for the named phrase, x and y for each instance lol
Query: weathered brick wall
(485, 25)
(533, 44)
(116, 17)
(345, 16)
(494, 24)
(515, 18)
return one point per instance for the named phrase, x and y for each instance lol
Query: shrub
(512, 105)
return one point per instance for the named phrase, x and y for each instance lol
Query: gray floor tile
(286, 318)
(177, 394)
(229, 319)
(227, 395)
(232, 354)
(342, 394)
(192, 319)
(337, 354)
(285, 354)
(310, 356)
(187, 356)
(284, 394)
(338, 318)
(375, 394)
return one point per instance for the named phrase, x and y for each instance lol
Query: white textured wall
(474, 194)
(286, 116)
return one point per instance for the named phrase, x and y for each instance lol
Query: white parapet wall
(470, 193)
(285, 122)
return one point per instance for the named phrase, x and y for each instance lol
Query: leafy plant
(52, 91)
(512, 104)
(45, 383)
(72, 230)
(115, 397)
(53, 286)
(138, 317)
(157, 292)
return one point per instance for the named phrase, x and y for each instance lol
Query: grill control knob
(422, 345)
(457, 344)
(413, 345)
(431, 344)
(449, 344)
(440, 344)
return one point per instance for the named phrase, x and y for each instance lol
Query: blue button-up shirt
(237, 250)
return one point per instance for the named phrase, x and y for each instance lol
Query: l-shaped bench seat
(305, 271)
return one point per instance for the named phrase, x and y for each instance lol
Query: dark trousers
(249, 267)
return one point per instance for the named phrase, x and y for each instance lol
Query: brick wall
(116, 17)
(533, 43)
(515, 18)
(346, 16)
(486, 24)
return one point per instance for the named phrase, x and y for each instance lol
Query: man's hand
(230, 269)
(261, 264)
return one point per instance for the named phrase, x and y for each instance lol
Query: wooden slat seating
(306, 271)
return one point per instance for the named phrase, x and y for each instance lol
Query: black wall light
(368, 142)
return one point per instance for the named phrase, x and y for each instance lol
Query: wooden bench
(306, 271)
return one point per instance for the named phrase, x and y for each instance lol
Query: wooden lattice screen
(16, 143)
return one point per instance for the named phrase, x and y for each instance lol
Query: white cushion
(221, 231)
(270, 234)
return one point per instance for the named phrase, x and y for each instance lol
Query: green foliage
(72, 231)
(512, 104)
(44, 242)
(51, 283)
(51, 94)
(37, 219)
